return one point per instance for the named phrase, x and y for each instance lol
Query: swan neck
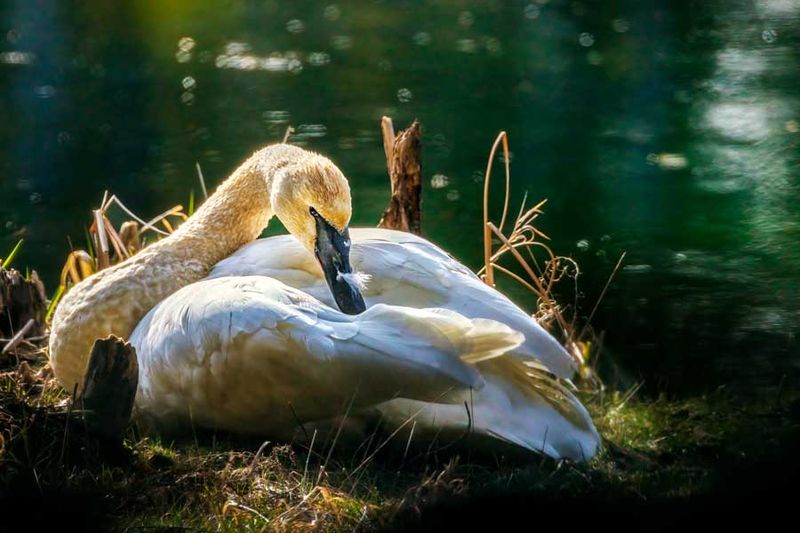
(114, 300)
(234, 215)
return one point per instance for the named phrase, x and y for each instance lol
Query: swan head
(313, 201)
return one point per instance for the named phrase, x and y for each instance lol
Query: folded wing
(252, 355)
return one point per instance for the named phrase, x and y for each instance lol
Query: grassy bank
(658, 454)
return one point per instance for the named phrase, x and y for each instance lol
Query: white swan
(246, 353)
(519, 404)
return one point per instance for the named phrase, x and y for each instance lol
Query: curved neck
(235, 214)
(114, 300)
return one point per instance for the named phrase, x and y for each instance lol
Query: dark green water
(669, 130)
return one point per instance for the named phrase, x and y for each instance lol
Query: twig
(116, 241)
(517, 255)
(174, 210)
(16, 339)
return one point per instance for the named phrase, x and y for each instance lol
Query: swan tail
(530, 408)
(519, 406)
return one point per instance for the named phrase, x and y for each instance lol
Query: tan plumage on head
(279, 180)
(316, 184)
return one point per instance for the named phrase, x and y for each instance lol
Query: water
(669, 132)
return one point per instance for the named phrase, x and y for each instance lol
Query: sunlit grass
(6, 263)
(654, 449)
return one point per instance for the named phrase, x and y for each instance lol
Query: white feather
(358, 280)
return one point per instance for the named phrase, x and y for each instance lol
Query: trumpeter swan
(250, 354)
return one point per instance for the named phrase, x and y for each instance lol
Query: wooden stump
(20, 301)
(405, 172)
(109, 388)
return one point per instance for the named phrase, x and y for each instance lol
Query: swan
(251, 354)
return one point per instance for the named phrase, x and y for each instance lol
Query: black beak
(333, 253)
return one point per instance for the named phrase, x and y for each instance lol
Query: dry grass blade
(176, 210)
(286, 136)
(203, 180)
(129, 234)
(513, 249)
(540, 276)
(502, 137)
(602, 294)
(79, 266)
(230, 505)
(116, 241)
(113, 199)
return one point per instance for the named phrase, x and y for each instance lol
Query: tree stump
(21, 300)
(109, 388)
(405, 173)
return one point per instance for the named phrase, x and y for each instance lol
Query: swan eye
(313, 212)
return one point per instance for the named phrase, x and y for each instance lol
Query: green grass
(655, 449)
(6, 264)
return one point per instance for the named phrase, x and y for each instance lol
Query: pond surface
(670, 133)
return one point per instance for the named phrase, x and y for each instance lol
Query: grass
(656, 450)
(659, 453)
(6, 263)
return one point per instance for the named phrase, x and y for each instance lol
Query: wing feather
(250, 354)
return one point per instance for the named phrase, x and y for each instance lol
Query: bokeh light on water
(670, 131)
